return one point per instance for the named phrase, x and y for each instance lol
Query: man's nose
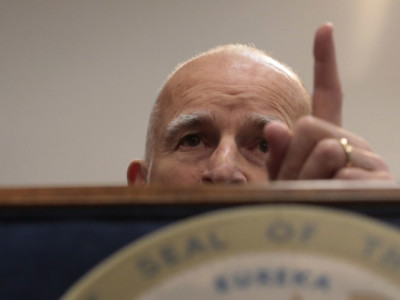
(223, 165)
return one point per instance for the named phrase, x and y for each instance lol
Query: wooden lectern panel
(50, 237)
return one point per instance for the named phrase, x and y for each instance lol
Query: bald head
(246, 70)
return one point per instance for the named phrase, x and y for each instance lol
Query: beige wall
(78, 78)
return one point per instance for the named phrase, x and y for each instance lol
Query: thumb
(278, 136)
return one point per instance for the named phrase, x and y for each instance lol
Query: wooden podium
(50, 237)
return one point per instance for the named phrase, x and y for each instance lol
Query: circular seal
(287, 252)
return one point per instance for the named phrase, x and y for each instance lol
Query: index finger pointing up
(327, 97)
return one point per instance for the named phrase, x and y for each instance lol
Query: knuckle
(380, 163)
(385, 176)
(345, 173)
(305, 124)
(374, 162)
(328, 151)
(362, 143)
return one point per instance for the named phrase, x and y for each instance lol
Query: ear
(137, 173)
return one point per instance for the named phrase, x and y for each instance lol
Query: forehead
(235, 83)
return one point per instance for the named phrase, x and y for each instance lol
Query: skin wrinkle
(289, 94)
(225, 92)
(260, 120)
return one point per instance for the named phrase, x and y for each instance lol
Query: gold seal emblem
(260, 252)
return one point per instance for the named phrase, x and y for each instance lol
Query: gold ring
(348, 149)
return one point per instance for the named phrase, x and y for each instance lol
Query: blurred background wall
(78, 77)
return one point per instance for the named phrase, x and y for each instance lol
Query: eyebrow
(258, 120)
(186, 121)
(254, 120)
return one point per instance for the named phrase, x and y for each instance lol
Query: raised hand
(312, 150)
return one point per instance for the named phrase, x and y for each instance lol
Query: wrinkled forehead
(236, 72)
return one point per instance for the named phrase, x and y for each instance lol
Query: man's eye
(263, 146)
(190, 140)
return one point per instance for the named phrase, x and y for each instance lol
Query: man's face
(211, 125)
